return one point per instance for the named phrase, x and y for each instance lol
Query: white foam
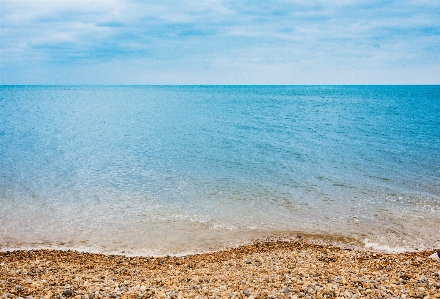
(386, 248)
(435, 256)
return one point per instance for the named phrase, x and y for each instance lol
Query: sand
(294, 269)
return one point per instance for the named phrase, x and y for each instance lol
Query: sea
(158, 170)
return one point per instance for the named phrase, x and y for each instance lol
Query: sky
(220, 42)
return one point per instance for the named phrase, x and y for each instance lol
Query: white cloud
(18, 12)
(221, 38)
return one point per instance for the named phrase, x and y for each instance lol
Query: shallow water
(173, 169)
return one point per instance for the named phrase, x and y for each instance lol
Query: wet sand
(279, 269)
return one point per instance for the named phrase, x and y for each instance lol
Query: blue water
(172, 169)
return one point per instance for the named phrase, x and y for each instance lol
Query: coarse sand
(278, 269)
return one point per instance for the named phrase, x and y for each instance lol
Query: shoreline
(339, 241)
(264, 269)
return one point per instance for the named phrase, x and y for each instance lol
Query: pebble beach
(264, 269)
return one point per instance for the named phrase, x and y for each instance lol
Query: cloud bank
(219, 42)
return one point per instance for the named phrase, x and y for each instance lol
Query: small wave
(386, 248)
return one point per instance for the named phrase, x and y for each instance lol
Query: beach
(264, 269)
(219, 149)
(171, 192)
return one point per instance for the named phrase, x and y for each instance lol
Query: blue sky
(220, 42)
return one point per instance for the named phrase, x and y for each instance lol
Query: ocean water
(177, 169)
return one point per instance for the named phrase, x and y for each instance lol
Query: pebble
(266, 269)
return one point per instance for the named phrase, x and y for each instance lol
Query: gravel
(294, 269)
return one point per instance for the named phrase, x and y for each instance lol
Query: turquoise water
(174, 169)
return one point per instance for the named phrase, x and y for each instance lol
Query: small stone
(91, 296)
(67, 292)
(247, 293)
(286, 291)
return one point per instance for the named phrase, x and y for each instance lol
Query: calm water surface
(174, 169)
